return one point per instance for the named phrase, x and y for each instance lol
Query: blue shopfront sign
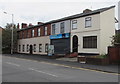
(58, 36)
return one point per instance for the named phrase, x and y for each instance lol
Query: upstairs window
(88, 22)
(74, 24)
(38, 31)
(53, 29)
(62, 27)
(33, 33)
(45, 30)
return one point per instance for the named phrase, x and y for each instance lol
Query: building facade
(89, 32)
(60, 37)
(34, 39)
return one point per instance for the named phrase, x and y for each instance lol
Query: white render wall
(81, 31)
(103, 26)
(107, 25)
(36, 40)
(67, 27)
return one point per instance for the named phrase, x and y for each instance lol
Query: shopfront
(61, 43)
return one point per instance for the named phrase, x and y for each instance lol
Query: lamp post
(12, 32)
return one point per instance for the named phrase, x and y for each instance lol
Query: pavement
(70, 62)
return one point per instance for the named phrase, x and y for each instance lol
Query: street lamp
(12, 32)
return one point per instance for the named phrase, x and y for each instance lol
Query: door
(31, 49)
(75, 43)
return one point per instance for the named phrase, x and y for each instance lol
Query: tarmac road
(24, 70)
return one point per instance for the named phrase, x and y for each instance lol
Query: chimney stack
(40, 23)
(30, 24)
(18, 26)
(24, 25)
(87, 11)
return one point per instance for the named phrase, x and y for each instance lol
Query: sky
(33, 11)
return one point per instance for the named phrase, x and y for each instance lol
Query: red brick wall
(42, 31)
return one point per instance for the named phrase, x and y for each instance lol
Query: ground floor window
(90, 42)
(19, 47)
(46, 47)
(40, 47)
(23, 48)
(34, 47)
(27, 47)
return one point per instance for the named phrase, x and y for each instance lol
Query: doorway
(31, 49)
(75, 43)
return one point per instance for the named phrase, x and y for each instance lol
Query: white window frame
(33, 33)
(38, 31)
(88, 22)
(45, 30)
(74, 24)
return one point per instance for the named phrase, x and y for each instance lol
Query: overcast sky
(33, 11)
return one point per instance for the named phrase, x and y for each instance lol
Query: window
(90, 42)
(88, 22)
(34, 47)
(45, 30)
(19, 48)
(23, 48)
(40, 47)
(46, 47)
(53, 29)
(74, 24)
(27, 47)
(38, 31)
(62, 27)
(33, 33)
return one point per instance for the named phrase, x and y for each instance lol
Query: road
(24, 70)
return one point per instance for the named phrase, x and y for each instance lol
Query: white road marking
(13, 64)
(42, 72)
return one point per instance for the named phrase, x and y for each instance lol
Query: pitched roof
(73, 16)
(83, 14)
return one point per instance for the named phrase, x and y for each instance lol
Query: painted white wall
(107, 26)
(103, 26)
(81, 31)
(67, 27)
(31, 41)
